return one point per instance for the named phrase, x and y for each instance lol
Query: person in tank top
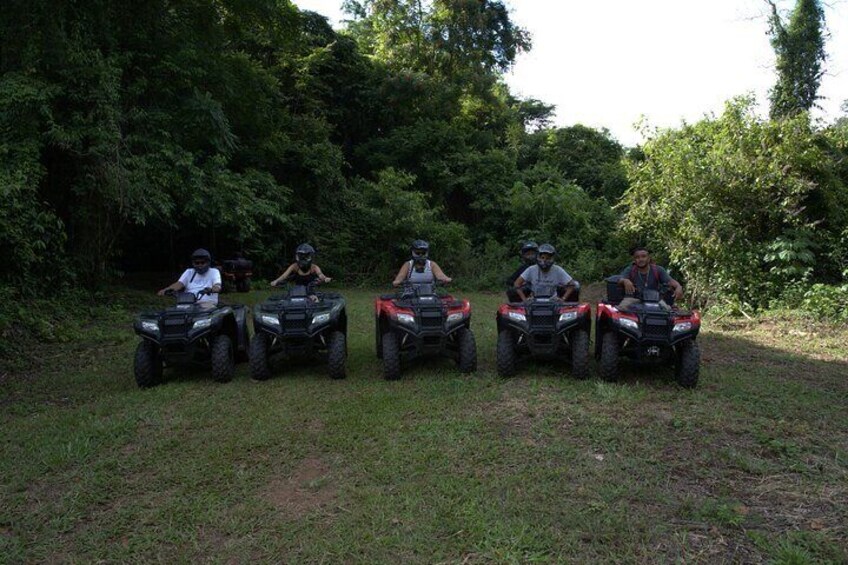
(303, 271)
(420, 269)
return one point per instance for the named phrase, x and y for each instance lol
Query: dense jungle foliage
(132, 133)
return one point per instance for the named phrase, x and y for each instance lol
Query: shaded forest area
(133, 133)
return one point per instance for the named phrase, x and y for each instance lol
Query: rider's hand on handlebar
(162, 292)
(628, 286)
(678, 293)
(274, 283)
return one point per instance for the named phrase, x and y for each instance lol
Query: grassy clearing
(751, 466)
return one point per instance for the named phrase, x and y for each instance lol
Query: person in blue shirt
(645, 274)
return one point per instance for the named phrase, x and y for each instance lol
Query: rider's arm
(321, 277)
(438, 273)
(216, 284)
(402, 274)
(676, 287)
(519, 288)
(625, 281)
(177, 286)
(286, 274)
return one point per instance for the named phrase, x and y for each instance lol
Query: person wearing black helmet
(201, 276)
(303, 271)
(420, 269)
(529, 254)
(544, 273)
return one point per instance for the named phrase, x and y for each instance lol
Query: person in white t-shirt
(202, 276)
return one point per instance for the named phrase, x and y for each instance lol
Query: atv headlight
(567, 316)
(202, 323)
(149, 326)
(406, 319)
(321, 319)
(628, 323)
(517, 316)
(270, 320)
(455, 317)
(682, 327)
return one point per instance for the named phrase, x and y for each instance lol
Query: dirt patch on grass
(308, 489)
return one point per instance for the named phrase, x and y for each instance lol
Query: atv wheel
(336, 355)
(223, 361)
(688, 364)
(391, 357)
(609, 357)
(506, 354)
(148, 365)
(467, 350)
(580, 354)
(259, 368)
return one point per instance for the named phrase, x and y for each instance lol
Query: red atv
(545, 327)
(647, 333)
(237, 274)
(417, 321)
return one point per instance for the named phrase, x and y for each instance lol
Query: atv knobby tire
(580, 354)
(223, 360)
(391, 357)
(609, 357)
(260, 369)
(336, 355)
(506, 354)
(467, 350)
(148, 365)
(688, 364)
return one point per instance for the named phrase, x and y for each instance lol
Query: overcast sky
(607, 63)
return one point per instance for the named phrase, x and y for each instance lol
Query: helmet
(420, 251)
(529, 246)
(201, 260)
(547, 249)
(303, 255)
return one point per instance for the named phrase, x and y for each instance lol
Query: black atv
(647, 333)
(190, 333)
(544, 326)
(417, 321)
(299, 323)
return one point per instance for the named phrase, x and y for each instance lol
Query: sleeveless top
(304, 280)
(425, 276)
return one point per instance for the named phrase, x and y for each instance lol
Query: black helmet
(420, 250)
(201, 260)
(303, 255)
(548, 249)
(529, 246)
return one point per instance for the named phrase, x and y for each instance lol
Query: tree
(465, 41)
(744, 207)
(799, 49)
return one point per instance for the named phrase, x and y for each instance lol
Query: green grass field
(437, 467)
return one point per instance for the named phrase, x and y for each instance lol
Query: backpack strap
(194, 274)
